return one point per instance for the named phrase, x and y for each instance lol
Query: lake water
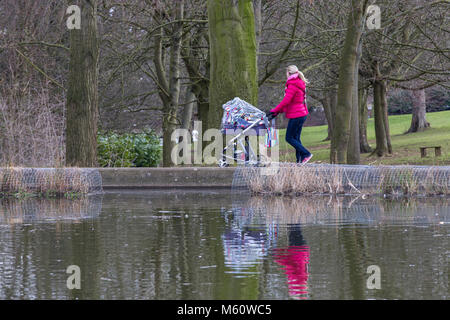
(133, 244)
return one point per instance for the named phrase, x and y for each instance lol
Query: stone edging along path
(338, 178)
(162, 178)
(215, 177)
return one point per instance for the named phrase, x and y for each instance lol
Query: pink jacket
(293, 102)
(295, 260)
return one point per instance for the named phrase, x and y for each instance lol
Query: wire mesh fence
(289, 178)
(50, 181)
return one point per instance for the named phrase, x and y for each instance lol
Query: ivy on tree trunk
(233, 70)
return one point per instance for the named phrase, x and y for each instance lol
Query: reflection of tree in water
(28, 210)
(42, 237)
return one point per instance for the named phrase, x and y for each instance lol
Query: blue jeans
(293, 132)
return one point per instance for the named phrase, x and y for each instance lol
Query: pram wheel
(223, 164)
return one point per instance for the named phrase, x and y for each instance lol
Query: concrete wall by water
(157, 178)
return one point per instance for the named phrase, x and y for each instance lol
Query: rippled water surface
(215, 245)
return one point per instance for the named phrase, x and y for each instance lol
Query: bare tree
(347, 83)
(169, 89)
(396, 54)
(32, 81)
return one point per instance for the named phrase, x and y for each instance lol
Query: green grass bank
(405, 146)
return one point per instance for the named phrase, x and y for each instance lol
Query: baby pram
(241, 119)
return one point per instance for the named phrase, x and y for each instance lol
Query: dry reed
(45, 181)
(291, 179)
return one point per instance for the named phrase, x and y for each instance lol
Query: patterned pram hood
(239, 114)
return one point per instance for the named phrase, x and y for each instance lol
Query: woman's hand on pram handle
(271, 115)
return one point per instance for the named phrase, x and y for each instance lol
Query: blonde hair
(293, 69)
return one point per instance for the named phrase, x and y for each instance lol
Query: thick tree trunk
(363, 115)
(82, 91)
(202, 95)
(233, 55)
(200, 81)
(346, 83)
(170, 121)
(419, 110)
(258, 22)
(188, 110)
(203, 107)
(203, 111)
(353, 151)
(169, 126)
(380, 131)
(384, 104)
(328, 117)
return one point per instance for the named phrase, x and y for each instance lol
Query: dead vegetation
(292, 179)
(49, 182)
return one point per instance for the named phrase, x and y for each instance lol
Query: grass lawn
(405, 146)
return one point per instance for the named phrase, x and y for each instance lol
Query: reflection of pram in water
(243, 119)
(246, 241)
(253, 236)
(243, 249)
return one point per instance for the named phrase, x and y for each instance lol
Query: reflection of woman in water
(295, 259)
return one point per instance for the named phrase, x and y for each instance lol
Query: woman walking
(293, 105)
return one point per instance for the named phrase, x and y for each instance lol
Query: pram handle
(270, 115)
(247, 129)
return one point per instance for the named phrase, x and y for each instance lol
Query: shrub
(128, 150)
(31, 129)
(400, 101)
